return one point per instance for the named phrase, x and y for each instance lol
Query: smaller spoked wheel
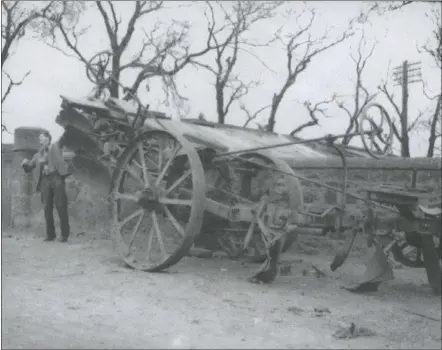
(97, 68)
(376, 130)
(148, 234)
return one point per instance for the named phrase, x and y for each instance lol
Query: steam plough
(174, 184)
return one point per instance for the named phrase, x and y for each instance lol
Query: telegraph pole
(405, 74)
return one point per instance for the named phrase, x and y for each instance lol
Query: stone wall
(89, 212)
(358, 179)
(89, 207)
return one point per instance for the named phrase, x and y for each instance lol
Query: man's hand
(25, 161)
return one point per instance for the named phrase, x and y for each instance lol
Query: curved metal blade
(378, 270)
(342, 254)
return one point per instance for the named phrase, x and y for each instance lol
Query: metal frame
(408, 218)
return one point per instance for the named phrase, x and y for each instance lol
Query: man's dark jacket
(55, 161)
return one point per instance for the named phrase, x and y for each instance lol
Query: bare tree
(163, 52)
(300, 50)
(401, 127)
(70, 33)
(433, 126)
(380, 8)
(433, 47)
(361, 96)
(17, 17)
(230, 41)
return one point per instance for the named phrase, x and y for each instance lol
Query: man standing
(51, 173)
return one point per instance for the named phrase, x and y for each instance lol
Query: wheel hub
(148, 198)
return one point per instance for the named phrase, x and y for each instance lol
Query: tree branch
(433, 46)
(361, 96)
(11, 85)
(15, 21)
(313, 112)
(251, 117)
(384, 90)
(312, 48)
(230, 40)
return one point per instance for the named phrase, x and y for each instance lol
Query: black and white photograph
(221, 174)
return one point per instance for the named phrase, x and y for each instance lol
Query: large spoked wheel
(147, 234)
(376, 131)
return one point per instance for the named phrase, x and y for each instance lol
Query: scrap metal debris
(285, 270)
(318, 272)
(319, 312)
(421, 315)
(363, 287)
(351, 331)
(296, 310)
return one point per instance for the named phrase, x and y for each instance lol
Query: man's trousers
(53, 191)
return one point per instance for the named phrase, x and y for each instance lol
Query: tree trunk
(114, 88)
(276, 101)
(220, 104)
(405, 145)
(432, 138)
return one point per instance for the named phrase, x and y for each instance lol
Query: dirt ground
(79, 295)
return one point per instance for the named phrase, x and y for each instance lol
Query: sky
(37, 101)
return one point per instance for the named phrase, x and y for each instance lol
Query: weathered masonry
(22, 208)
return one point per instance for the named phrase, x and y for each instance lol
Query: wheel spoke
(168, 164)
(249, 234)
(134, 174)
(135, 232)
(174, 221)
(128, 196)
(150, 160)
(143, 165)
(130, 217)
(94, 69)
(159, 234)
(160, 153)
(149, 242)
(175, 201)
(178, 182)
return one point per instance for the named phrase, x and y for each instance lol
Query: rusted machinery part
(96, 70)
(290, 190)
(229, 184)
(157, 239)
(380, 132)
(409, 251)
(287, 202)
(423, 252)
(419, 251)
(378, 270)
